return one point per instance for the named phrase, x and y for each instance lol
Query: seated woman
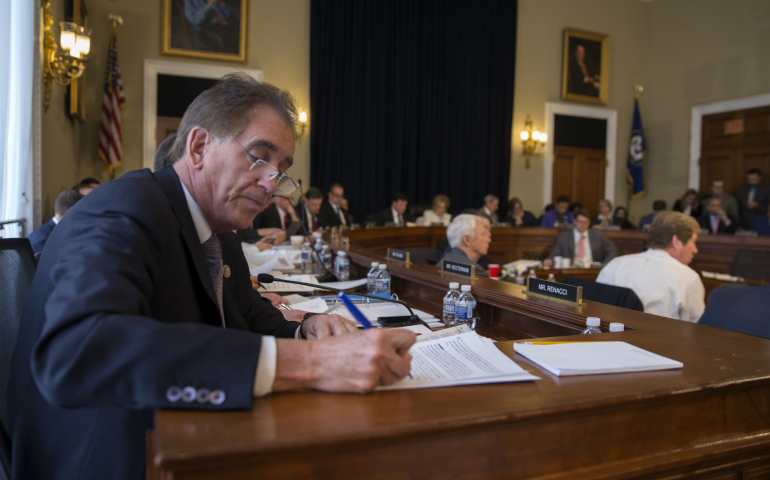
(620, 218)
(518, 217)
(689, 204)
(437, 214)
(604, 219)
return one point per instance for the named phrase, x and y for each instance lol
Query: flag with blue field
(636, 151)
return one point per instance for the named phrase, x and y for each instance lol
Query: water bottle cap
(340, 254)
(454, 284)
(383, 266)
(375, 264)
(465, 288)
(617, 327)
(593, 321)
(306, 244)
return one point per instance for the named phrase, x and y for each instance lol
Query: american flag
(111, 135)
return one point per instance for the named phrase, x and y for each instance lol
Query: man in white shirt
(489, 210)
(660, 276)
(582, 245)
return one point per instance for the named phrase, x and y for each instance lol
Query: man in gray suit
(491, 204)
(729, 204)
(753, 198)
(469, 237)
(583, 245)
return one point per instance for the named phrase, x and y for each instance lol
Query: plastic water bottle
(326, 256)
(449, 304)
(532, 274)
(593, 326)
(342, 267)
(465, 308)
(307, 260)
(382, 281)
(371, 277)
(319, 245)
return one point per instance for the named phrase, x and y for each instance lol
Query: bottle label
(461, 311)
(449, 308)
(305, 255)
(382, 283)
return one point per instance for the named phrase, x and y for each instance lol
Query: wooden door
(732, 143)
(579, 173)
(166, 127)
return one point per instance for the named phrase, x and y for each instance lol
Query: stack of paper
(279, 286)
(587, 358)
(464, 359)
(372, 311)
(285, 259)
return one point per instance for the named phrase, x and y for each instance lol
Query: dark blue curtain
(413, 95)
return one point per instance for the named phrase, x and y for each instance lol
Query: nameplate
(459, 269)
(554, 290)
(747, 233)
(398, 255)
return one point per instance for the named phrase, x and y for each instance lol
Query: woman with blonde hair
(437, 214)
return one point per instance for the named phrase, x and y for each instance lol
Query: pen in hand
(354, 310)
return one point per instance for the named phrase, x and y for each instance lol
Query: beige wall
(684, 52)
(278, 44)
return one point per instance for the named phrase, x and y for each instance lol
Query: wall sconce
(62, 67)
(532, 141)
(301, 126)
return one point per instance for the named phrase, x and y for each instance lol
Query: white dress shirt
(429, 217)
(665, 286)
(587, 255)
(265, 375)
(338, 212)
(397, 217)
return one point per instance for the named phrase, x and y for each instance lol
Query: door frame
(696, 127)
(182, 69)
(554, 108)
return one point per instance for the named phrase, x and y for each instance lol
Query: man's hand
(319, 327)
(270, 240)
(274, 298)
(358, 362)
(751, 204)
(548, 262)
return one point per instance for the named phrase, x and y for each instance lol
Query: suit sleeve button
(217, 397)
(189, 394)
(203, 395)
(173, 394)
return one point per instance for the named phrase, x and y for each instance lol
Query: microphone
(267, 278)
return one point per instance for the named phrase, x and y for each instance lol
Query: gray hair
(162, 153)
(490, 198)
(227, 107)
(462, 225)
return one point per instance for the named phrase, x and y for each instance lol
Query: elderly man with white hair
(469, 237)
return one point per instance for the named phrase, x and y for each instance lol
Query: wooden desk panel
(709, 419)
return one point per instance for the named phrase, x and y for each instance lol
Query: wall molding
(696, 122)
(183, 69)
(551, 110)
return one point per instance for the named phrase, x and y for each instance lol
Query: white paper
(346, 285)
(587, 358)
(458, 360)
(264, 268)
(279, 286)
(294, 298)
(447, 332)
(314, 305)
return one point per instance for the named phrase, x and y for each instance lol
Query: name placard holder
(396, 255)
(458, 269)
(558, 292)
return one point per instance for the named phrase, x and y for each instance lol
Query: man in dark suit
(307, 211)
(753, 197)
(581, 82)
(143, 300)
(716, 220)
(332, 214)
(66, 200)
(280, 214)
(583, 245)
(761, 223)
(658, 207)
(396, 213)
(489, 210)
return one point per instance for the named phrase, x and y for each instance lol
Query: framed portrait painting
(212, 29)
(585, 67)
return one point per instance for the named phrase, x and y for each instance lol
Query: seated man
(307, 211)
(761, 223)
(559, 216)
(716, 220)
(728, 201)
(332, 214)
(143, 300)
(86, 185)
(163, 153)
(658, 207)
(660, 276)
(66, 200)
(469, 239)
(489, 210)
(397, 213)
(583, 245)
(279, 215)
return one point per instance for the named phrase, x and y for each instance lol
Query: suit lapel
(172, 188)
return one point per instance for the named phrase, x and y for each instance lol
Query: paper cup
(297, 241)
(494, 270)
(557, 262)
(566, 262)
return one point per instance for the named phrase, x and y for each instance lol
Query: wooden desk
(710, 419)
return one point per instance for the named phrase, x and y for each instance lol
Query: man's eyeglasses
(267, 172)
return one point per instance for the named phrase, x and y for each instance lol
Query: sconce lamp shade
(83, 41)
(524, 135)
(68, 35)
(302, 117)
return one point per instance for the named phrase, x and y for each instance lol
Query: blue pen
(356, 313)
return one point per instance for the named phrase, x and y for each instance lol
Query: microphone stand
(267, 278)
(303, 226)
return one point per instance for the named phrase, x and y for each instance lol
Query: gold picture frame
(215, 33)
(584, 54)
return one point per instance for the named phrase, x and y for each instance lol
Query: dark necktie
(341, 215)
(213, 250)
(400, 220)
(315, 224)
(285, 222)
